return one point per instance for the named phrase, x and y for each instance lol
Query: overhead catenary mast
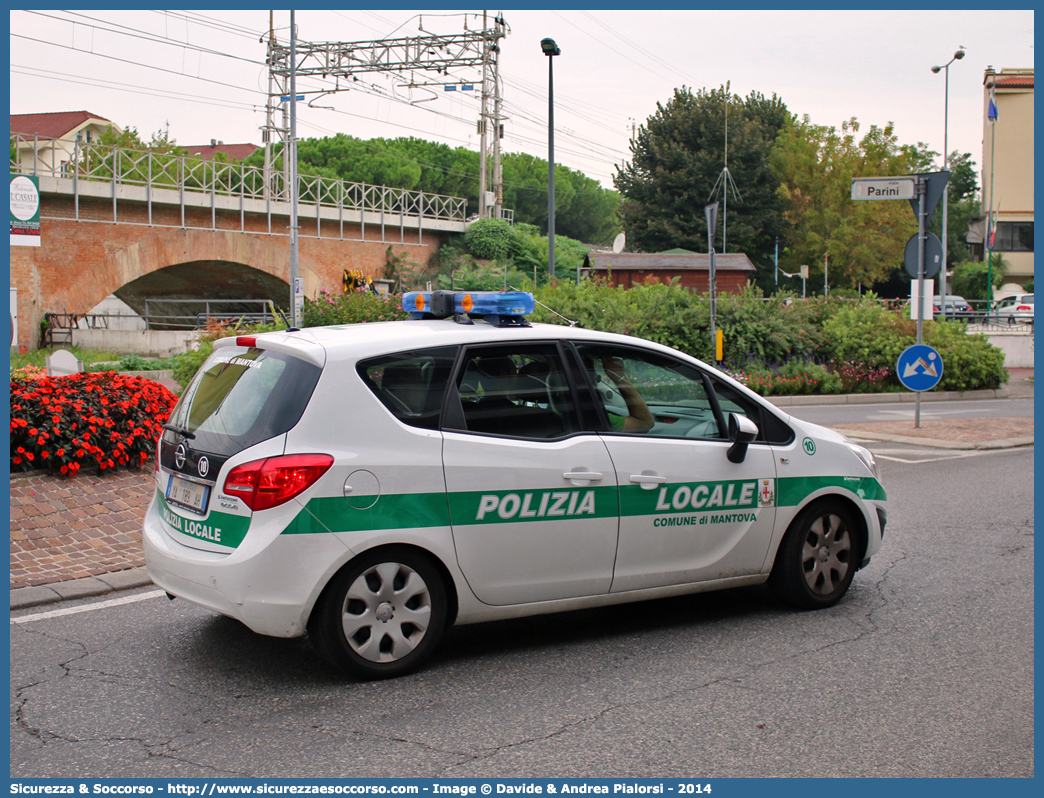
(411, 58)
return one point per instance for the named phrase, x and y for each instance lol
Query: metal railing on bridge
(200, 312)
(156, 171)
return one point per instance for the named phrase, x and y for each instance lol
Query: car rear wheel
(382, 616)
(818, 557)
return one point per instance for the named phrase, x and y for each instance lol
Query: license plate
(188, 494)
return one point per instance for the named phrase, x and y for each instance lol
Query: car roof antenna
(275, 307)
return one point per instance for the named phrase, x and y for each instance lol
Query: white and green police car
(372, 484)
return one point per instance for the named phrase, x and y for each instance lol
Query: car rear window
(242, 396)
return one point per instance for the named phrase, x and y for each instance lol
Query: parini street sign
(878, 188)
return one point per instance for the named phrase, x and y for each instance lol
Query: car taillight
(1024, 307)
(262, 484)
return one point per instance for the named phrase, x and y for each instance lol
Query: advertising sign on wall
(25, 211)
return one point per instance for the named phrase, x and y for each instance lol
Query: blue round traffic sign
(919, 367)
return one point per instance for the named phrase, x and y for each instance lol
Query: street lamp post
(550, 49)
(957, 56)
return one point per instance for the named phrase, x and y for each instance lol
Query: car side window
(411, 385)
(519, 391)
(645, 393)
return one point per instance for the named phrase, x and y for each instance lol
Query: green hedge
(775, 345)
(858, 340)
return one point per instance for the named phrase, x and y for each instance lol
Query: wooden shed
(692, 268)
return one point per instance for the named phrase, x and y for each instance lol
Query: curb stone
(887, 398)
(37, 595)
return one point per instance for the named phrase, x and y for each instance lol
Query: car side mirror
(742, 431)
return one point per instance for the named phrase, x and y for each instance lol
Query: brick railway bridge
(143, 225)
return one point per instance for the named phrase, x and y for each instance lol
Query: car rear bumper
(271, 590)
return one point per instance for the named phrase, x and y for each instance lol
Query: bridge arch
(82, 260)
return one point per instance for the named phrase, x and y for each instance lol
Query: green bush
(657, 312)
(838, 344)
(489, 239)
(868, 334)
(351, 307)
(187, 363)
(821, 345)
(479, 277)
(970, 362)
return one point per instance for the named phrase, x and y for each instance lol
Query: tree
(963, 202)
(678, 156)
(865, 239)
(963, 206)
(583, 209)
(970, 277)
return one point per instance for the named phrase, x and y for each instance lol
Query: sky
(200, 75)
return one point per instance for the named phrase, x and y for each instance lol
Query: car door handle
(647, 481)
(589, 475)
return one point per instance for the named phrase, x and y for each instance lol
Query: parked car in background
(1014, 309)
(956, 307)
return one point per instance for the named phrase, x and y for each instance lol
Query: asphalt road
(925, 669)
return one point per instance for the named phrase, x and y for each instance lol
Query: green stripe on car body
(793, 490)
(424, 510)
(391, 511)
(221, 528)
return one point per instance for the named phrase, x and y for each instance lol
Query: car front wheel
(382, 616)
(818, 557)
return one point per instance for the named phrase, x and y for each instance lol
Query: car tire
(382, 615)
(818, 557)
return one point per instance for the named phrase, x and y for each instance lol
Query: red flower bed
(106, 419)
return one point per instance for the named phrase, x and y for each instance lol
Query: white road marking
(101, 605)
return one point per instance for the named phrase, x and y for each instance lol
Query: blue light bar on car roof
(500, 308)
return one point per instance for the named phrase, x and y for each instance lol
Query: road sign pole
(922, 191)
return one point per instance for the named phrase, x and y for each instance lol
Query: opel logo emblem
(203, 465)
(179, 456)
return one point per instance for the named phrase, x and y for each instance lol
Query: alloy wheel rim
(826, 554)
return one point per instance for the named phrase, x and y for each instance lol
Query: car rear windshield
(242, 396)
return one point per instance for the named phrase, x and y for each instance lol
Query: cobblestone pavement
(82, 536)
(64, 528)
